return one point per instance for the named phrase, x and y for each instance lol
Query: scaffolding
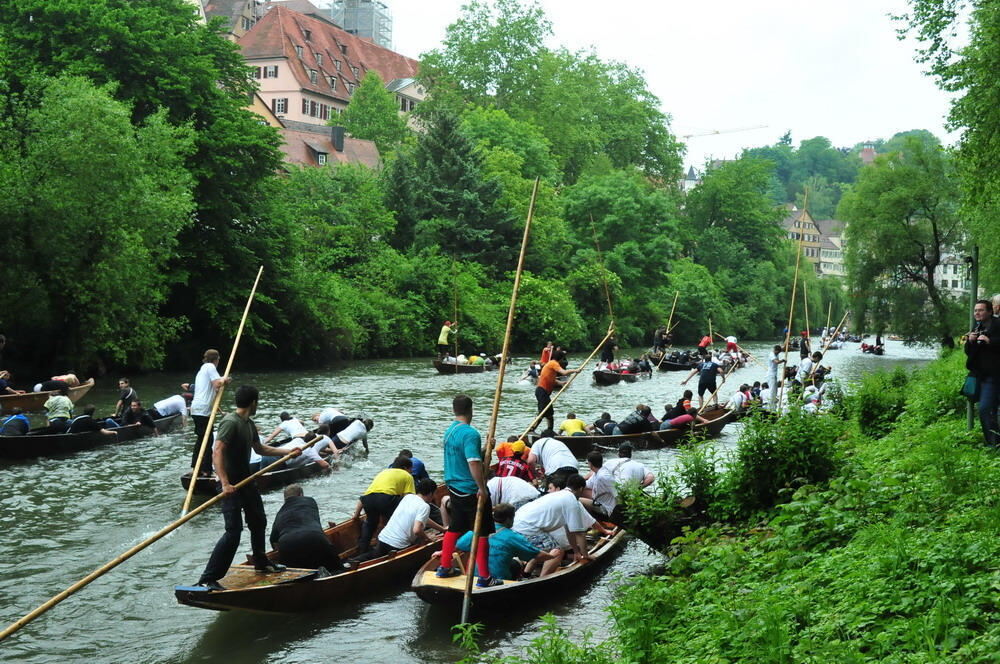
(368, 19)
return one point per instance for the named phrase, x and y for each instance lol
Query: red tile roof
(302, 143)
(280, 30)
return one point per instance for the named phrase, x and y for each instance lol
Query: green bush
(878, 401)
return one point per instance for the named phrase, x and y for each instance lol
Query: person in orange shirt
(547, 382)
(546, 353)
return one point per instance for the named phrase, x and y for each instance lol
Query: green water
(63, 517)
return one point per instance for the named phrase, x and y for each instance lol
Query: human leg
(200, 427)
(544, 400)
(225, 548)
(989, 396)
(253, 507)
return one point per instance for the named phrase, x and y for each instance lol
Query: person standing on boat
(298, 534)
(444, 336)
(231, 457)
(774, 361)
(547, 382)
(465, 476)
(707, 372)
(206, 384)
(703, 345)
(608, 350)
(546, 353)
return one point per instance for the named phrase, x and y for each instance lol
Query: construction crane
(715, 132)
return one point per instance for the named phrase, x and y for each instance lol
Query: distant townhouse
(952, 276)
(307, 144)
(308, 68)
(821, 241)
(238, 16)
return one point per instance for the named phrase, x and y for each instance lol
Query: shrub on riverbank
(891, 560)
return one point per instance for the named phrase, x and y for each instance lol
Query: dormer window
(312, 76)
(308, 34)
(336, 65)
(298, 51)
(321, 158)
(333, 82)
(354, 70)
(350, 88)
(319, 59)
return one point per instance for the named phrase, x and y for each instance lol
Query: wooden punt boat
(608, 377)
(31, 401)
(446, 368)
(717, 418)
(450, 591)
(297, 590)
(36, 445)
(208, 486)
(668, 365)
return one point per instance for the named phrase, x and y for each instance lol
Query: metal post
(970, 409)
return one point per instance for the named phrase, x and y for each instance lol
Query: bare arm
(218, 450)
(579, 544)
(357, 511)
(693, 372)
(267, 450)
(476, 469)
(647, 480)
(418, 531)
(274, 433)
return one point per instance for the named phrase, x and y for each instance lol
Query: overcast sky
(826, 67)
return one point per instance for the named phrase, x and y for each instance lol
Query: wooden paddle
(498, 392)
(101, 571)
(218, 395)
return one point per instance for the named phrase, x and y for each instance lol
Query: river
(63, 517)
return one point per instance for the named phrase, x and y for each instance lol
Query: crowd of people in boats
(542, 507)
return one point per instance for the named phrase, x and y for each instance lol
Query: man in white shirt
(356, 431)
(553, 456)
(512, 490)
(557, 511)
(600, 497)
(206, 385)
(175, 405)
(327, 415)
(774, 361)
(408, 522)
(292, 427)
(626, 469)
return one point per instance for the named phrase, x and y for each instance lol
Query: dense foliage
(892, 559)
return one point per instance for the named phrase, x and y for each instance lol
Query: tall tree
(373, 114)
(903, 219)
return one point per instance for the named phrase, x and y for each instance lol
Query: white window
(279, 105)
(312, 76)
(319, 58)
(350, 88)
(333, 82)
(321, 158)
(354, 70)
(247, 23)
(298, 51)
(336, 65)
(271, 71)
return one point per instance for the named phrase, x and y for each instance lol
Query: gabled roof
(227, 9)
(830, 226)
(303, 146)
(798, 215)
(826, 243)
(280, 30)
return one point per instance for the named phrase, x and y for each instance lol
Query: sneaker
(445, 572)
(488, 582)
(268, 567)
(212, 585)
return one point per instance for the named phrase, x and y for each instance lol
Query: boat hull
(31, 446)
(447, 369)
(34, 401)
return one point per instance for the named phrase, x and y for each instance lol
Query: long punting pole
(827, 346)
(218, 394)
(712, 396)
(670, 320)
(829, 313)
(454, 285)
(101, 571)
(805, 310)
(791, 312)
(491, 431)
(604, 272)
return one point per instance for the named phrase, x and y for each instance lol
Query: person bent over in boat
(5, 388)
(408, 523)
(15, 424)
(638, 421)
(553, 456)
(515, 465)
(298, 535)
(59, 410)
(417, 467)
(573, 426)
(626, 469)
(543, 521)
(465, 476)
(511, 489)
(683, 420)
(86, 423)
(344, 437)
(603, 426)
(237, 436)
(382, 497)
(507, 546)
(175, 405)
(600, 498)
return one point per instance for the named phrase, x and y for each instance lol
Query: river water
(63, 517)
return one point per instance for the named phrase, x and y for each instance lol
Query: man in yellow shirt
(572, 426)
(381, 498)
(447, 330)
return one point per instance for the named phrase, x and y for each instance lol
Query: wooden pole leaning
(829, 313)
(712, 396)
(498, 392)
(791, 313)
(827, 346)
(101, 571)
(604, 272)
(218, 395)
(670, 320)
(741, 349)
(805, 309)
(538, 417)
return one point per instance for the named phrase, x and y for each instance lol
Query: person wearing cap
(447, 330)
(514, 465)
(626, 469)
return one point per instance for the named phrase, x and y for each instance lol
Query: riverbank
(893, 559)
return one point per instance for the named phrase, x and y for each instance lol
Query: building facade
(308, 68)
(368, 19)
(822, 241)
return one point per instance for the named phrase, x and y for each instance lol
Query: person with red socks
(465, 477)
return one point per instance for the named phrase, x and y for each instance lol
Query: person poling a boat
(507, 544)
(444, 337)
(298, 537)
(206, 384)
(381, 498)
(552, 370)
(237, 435)
(408, 523)
(465, 477)
(706, 341)
(707, 372)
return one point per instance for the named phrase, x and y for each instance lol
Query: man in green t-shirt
(236, 435)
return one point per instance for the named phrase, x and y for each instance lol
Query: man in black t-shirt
(298, 534)
(236, 436)
(86, 423)
(125, 397)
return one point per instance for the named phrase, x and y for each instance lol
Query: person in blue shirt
(506, 544)
(707, 371)
(465, 477)
(418, 470)
(15, 425)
